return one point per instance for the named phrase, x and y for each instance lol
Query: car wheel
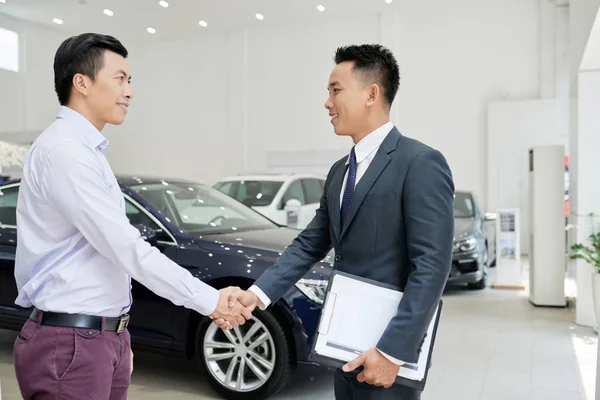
(482, 283)
(252, 361)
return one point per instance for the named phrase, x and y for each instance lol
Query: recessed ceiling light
(57, 21)
(203, 24)
(109, 12)
(163, 3)
(260, 17)
(2, 1)
(151, 30)
(320, 8)
(388, 1)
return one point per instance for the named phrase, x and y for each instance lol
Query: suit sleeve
(428, 208)
(309, 247)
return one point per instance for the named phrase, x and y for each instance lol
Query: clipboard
(325, 325)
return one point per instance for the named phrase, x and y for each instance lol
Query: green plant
(589, 253)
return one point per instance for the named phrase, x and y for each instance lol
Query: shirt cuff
(208, 301)
(392, 359)
(261, 296)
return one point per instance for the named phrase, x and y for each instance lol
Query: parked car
(474, 248)
(270, 194)
(222, 242)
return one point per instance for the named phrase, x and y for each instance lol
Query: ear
(81, 83)
(374, 93)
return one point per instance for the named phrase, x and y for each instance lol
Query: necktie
(349, 190)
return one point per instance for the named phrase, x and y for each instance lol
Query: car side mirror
(490, 216)
(292, 209)
(147, 233)
(293, 204)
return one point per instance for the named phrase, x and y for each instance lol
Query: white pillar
(238, 102)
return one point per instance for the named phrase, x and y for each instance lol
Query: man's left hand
(378, 370)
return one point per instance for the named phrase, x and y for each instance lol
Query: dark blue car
(222, 242)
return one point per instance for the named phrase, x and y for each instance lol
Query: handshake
(234, 308)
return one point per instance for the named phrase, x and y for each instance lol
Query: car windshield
(463, 206)
(252, 193)
(198, 209)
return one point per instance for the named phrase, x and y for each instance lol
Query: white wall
(27, 99)
(264, 89)
(226, 103)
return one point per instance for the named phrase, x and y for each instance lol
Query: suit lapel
(336, 189)
(375, 169)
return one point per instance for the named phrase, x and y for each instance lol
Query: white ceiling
(132, 17)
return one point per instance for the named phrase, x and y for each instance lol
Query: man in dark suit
(386, 209)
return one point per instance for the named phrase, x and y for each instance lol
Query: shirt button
(338, 257)
(89, 333)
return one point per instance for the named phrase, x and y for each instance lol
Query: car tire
(275, 350)
(479, 285)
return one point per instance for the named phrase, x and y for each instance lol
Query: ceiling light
(203, 24)
(2, 1)
(57, 21)
(163, 3)
(151, 30)
(388, 1)
(260, 17)
(108, 12)
(320, 8)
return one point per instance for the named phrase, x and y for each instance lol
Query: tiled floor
(491, 345)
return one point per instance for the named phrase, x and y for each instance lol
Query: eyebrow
(124, 73)
(332, 84)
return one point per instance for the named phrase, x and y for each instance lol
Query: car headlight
(314, 289)
(466, 244)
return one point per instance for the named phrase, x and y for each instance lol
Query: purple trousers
(60, 363)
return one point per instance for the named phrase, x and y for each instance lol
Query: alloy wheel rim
(241, 359)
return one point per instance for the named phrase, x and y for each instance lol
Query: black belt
(111, 324)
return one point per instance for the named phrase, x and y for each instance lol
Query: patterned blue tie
(349, 190)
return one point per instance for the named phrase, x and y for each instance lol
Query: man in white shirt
(76, 250)
(387, 210)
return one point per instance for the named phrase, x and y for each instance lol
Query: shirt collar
(371, 142)
(92, 135)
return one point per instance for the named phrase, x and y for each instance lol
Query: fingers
(235, 296)
(246, 313)
(361, 377)
(357, 362)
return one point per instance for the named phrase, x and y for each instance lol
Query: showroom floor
(492, 345)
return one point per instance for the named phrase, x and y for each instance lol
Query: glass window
(258, 193)
(226, 187)
(463, 205)
(295, 191)
(138, 217)
(8, 206)
(198, 209)
(9, 50)
(313, 190)
(252, 193)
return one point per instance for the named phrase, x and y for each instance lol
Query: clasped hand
(233, 308)
(378, 370)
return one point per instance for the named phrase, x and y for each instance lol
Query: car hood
(464, 226)
(265, 244)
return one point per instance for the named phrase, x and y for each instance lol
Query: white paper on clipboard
(355, 316)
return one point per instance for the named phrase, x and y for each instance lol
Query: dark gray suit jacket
(399, 230)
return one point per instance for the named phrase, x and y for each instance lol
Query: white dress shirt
(365, 151)
(76, 250)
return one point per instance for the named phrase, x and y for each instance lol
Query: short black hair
(376, 63)
(82, 54)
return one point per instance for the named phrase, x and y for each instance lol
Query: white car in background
(287, 199)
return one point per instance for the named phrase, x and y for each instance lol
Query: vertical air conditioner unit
(547, 264)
